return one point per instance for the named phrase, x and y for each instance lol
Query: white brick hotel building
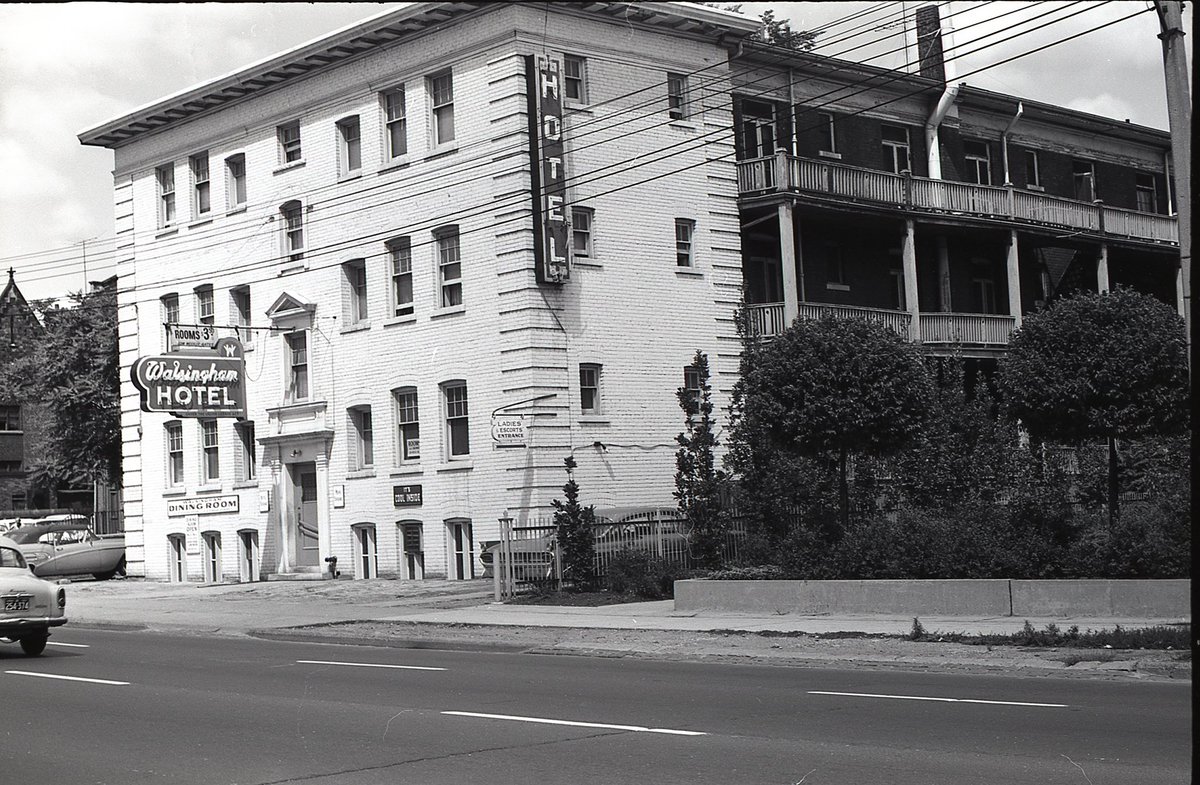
(364, 213)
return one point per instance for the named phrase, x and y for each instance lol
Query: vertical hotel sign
(552, 229)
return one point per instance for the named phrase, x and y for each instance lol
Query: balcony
(782, 172)
(938, 329)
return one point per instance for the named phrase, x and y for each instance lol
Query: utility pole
(1179, 116)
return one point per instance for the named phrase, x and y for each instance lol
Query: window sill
(451, 311)
(395, 164)
(356, 174)
(200, 222)
(245, 485)
(288, 167)
(166, 231)
(209, 489)
(173, 492)
(236, 210)
(829, 154)
(415, 471)
(440, 150)
(577, 106)
(358, 474)
(1038, 188)
(689, 272)
(406, 319)
(687, 125)
(293, 269)
(454, 466)
(593, 419)
(357, 327)
(837, 287)
(587, 262)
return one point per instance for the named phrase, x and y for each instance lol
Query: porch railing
(898, 322)
(780, 172)
(967, 328)
(766, 319)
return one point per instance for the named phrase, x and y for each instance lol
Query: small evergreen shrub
(643, 574)
(766, 572)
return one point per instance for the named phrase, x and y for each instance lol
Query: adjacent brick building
(369, 214)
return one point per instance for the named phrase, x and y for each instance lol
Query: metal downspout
(1004, 140)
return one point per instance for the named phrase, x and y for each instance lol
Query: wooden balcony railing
(974, 329)
(782, 172)
(968, 329)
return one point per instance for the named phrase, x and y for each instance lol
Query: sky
(67, 67)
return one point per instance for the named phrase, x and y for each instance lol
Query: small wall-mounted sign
(264, 500)
(406, 495)
(508, 430)
(338, 494)
(202, 505)
(191, 533)
(194, 336)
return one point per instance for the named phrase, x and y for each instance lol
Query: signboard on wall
(406, 495)
(191, 534)
(180, 336)
(552, 249)
(508, 430)
(197, 384)
(202, 505)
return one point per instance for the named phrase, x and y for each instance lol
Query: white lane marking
(66, 678)
(68, 645)
(941, 700)
(543, 721)
(370, 665)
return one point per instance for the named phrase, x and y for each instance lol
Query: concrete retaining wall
(1148, 599)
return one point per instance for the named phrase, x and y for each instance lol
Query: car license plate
(16, 603)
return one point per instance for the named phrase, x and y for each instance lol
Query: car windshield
(11, 557)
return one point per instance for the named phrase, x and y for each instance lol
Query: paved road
(208, 710)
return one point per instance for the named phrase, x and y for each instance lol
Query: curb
(292, 635)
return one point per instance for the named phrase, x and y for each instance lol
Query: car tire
(118, 570)
(33, 645)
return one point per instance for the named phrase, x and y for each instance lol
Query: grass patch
(1175, 637)
(573, 599)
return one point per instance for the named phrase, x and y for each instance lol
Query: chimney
(929, 43)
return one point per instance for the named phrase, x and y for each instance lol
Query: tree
(827, 389)
(573, 525)
(1099, 366)
(697, 479)
(73, 370)
(776, 32)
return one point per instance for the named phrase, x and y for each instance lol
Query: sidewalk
(462, 615)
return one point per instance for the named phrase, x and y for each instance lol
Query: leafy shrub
(1147, 541)
(766, 572)
(645, 575)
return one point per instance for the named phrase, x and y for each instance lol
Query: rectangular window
(441, 97)
(165, 175)
(292, 215)
(1033, 172)
(349, 146)
(400, 255)
(589, 388)
(979, 163)
(757, 137)
(825, 129)
(395, 119)
(407, 425)
(201, 203)
(581, 231)
(297, 364)
(896, 149)
(170, 308)
(289, 142)
(685, 230)
(249, 451)
(691, 384)
(239, 307)
(362, 437)
(899, 300)
(10, 418)
(983, 289)
(235, 181)
(449, 267)
(355, 274)
(174, 435)
(574, 79)
(205, 313)
(208, 444)
(835, 267)
(457, 436)
(1147, 197)
(1084, 175)
(677, 108)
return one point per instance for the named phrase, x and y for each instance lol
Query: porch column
(908, 253)
(1102, 284)
(324, 529)
(1180, 293)
(1014, 279)
(277, 515)
(943, 259)
(787, 260)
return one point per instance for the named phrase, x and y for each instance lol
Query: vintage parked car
(29, 606)
(68, 546)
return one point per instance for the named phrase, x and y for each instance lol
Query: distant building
(21, 425)
(414, 248)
